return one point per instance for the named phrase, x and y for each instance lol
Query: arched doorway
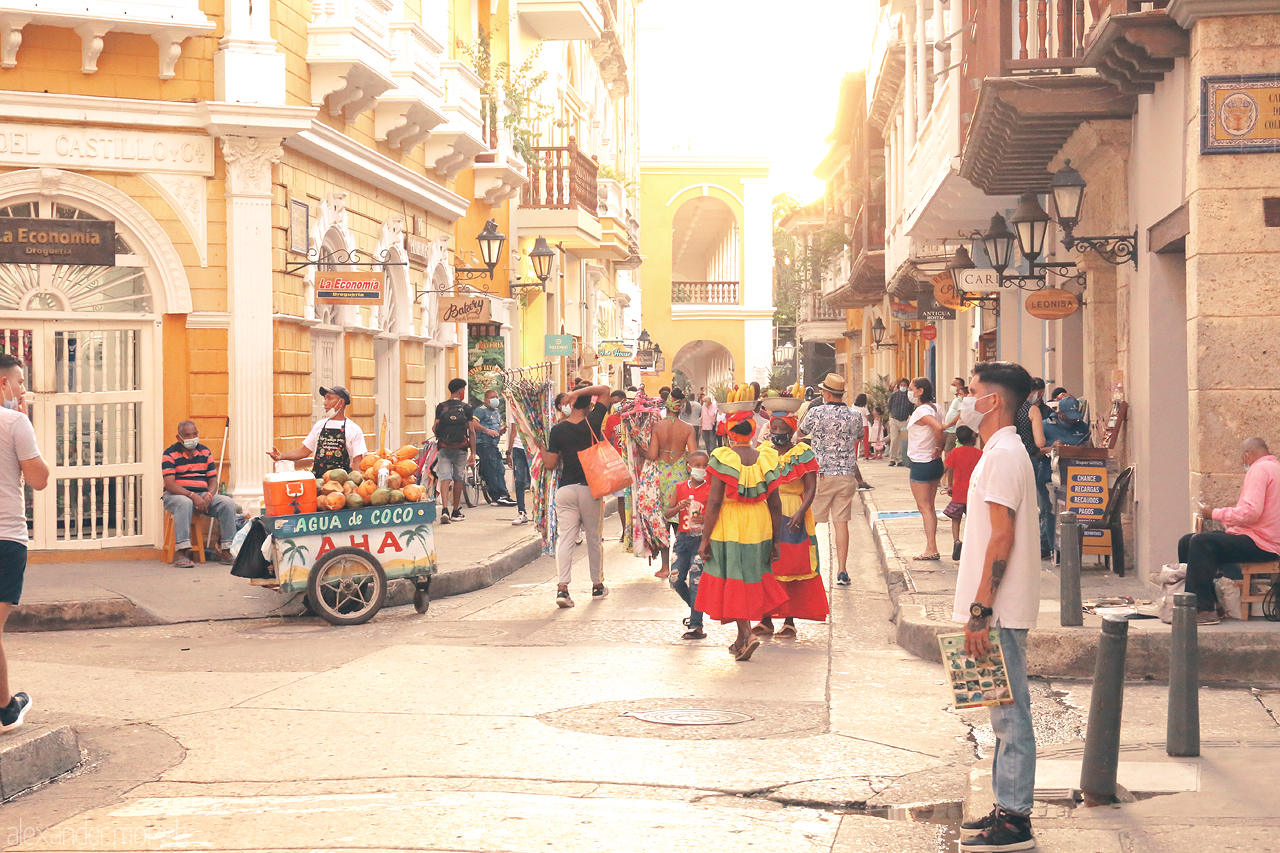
(88, 337)
(704, 364)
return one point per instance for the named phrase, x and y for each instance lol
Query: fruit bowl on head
(782, 404)
(741, 406)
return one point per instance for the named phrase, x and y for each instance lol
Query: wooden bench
(1248, 572)
(197, 539)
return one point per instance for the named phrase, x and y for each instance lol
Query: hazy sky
(748, 78)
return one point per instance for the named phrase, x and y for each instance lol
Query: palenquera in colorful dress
(797, 565)
(737, 582)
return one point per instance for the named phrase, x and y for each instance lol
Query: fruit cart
(341, 540)
(343, 559)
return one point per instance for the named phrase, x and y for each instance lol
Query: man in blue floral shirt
(834, 430)
(489, 427)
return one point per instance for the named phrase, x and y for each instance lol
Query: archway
(705, 253)
(704, 364)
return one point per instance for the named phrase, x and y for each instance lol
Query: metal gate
(89, 401)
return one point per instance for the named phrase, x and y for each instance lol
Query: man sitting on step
(1252, 530)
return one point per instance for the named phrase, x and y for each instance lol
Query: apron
(331, 451)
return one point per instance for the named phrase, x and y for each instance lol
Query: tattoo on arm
(997, 575)
(975, 624)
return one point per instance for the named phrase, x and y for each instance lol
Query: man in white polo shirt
(998, 585)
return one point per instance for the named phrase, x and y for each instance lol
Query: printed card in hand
(974, 683)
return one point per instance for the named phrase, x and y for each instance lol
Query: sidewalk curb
(32, 756)
(121, 612)
(1072, 652)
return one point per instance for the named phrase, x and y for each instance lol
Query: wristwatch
(977, 611)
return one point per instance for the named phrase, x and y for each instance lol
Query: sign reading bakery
(89, 148)
(349, 288)
(85, 242)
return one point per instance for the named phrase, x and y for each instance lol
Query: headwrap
(730, 420)
(789, 420)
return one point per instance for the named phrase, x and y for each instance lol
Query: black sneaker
(12, 715)
(1006, 831)
(970, 828)
(563, 600)
(955, 550)
(599, 592)
(505, 502)
(457, 515)
(865, 487)
(843, 579)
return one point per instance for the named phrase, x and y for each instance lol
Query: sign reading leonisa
(90, 242)
(464, 309)
(105, 148)
(1052, 304)
(349, 288)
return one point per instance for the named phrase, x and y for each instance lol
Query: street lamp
(877, 335)
(1068, 187)
(491, 241)
(998, 242)
(541, 257)
(784, 353)
(1032, 225)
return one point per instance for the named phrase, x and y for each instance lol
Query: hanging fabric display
(530, 393)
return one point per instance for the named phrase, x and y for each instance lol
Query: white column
(909, 85)
(922, 65)
(248, 68)
(249, 291)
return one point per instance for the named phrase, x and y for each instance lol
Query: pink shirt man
(1257, 513)
(709, 414)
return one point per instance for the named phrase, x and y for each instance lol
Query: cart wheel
(421, 601)
(347, 586)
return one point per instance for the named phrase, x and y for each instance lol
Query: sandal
(786, 631)
(183, 563)
(694, 634)
(745, 654)
(662, 574)
(927, 557)
(762, 630)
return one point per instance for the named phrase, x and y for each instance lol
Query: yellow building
(707, 283)
(236, 150)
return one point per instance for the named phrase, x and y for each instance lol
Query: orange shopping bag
(605, 470)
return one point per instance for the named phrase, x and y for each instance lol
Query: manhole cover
(690, 717)
(461, 633)
(295, 628)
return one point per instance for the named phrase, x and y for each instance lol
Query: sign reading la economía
(349, 288)
(86, 242)
(100, 148)
(1240, 114)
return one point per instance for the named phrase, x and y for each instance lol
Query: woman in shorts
(924, 453)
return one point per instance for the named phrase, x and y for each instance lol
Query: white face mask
(191, 443)
(915, 396)
(330, 413)
(969, 414)
(698, 474)
(11, 402)
(493, 403)
(566, 410)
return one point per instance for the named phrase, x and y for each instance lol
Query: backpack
(452, 429)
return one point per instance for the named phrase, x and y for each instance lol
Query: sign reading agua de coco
(464, 309)
(349, 288)
(1240, 114)
(89, 242)
(23, 144)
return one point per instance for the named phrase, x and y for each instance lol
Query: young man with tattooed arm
(998, 586)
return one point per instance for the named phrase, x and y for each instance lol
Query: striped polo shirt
(191, 469)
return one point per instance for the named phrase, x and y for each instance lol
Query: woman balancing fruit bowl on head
(740, 539)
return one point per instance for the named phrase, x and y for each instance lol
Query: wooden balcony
(1133, 48)
(562, 178)
(704, 293)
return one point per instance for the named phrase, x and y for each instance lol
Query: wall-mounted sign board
(1240, 114)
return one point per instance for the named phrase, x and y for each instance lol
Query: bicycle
(473, 487)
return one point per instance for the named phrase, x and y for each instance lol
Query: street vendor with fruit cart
(336, 442)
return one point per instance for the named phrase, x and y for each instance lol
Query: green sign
(328, 523)
(559, 345)
(486, 360)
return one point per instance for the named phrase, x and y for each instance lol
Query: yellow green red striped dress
(737, 582)
(797, 565)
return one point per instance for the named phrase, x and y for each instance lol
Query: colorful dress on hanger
(797, 565)
(738, 582)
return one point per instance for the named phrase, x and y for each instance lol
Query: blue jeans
(520, 474)
(1044, 473)
(181, 508)
(492, 470)
(686, 570)
(1013, 769)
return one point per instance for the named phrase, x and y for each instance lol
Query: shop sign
(114, 150)
(929, 333)
(349, 288)
(1240, 114)
(558, 345)
(931, 311)
(89, 242)
(1052, 304)
(419, 248)
(903, 310)
(464, 309)
(979, 281)
(945, 294)
(486, 359)
(1087, 494)
(616, 349)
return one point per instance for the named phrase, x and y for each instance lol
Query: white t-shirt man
(17, 445)
(1003, 476)
(920, 442)
(351, 430)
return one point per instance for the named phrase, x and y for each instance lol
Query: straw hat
(833, 384)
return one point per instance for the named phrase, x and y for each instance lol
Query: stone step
(33, 755)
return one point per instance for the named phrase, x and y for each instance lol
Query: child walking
(690, 502)
(875, 435)
(960, 463)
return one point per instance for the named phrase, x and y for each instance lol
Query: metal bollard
(1102, 742)
(1182, 737)
(1072, 543)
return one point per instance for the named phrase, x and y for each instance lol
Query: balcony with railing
(1018, 125)
(704, 293)
(1134, 44)
(562, 197)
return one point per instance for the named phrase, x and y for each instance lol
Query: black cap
(337, 391)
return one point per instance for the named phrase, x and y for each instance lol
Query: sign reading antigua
(87, 242)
